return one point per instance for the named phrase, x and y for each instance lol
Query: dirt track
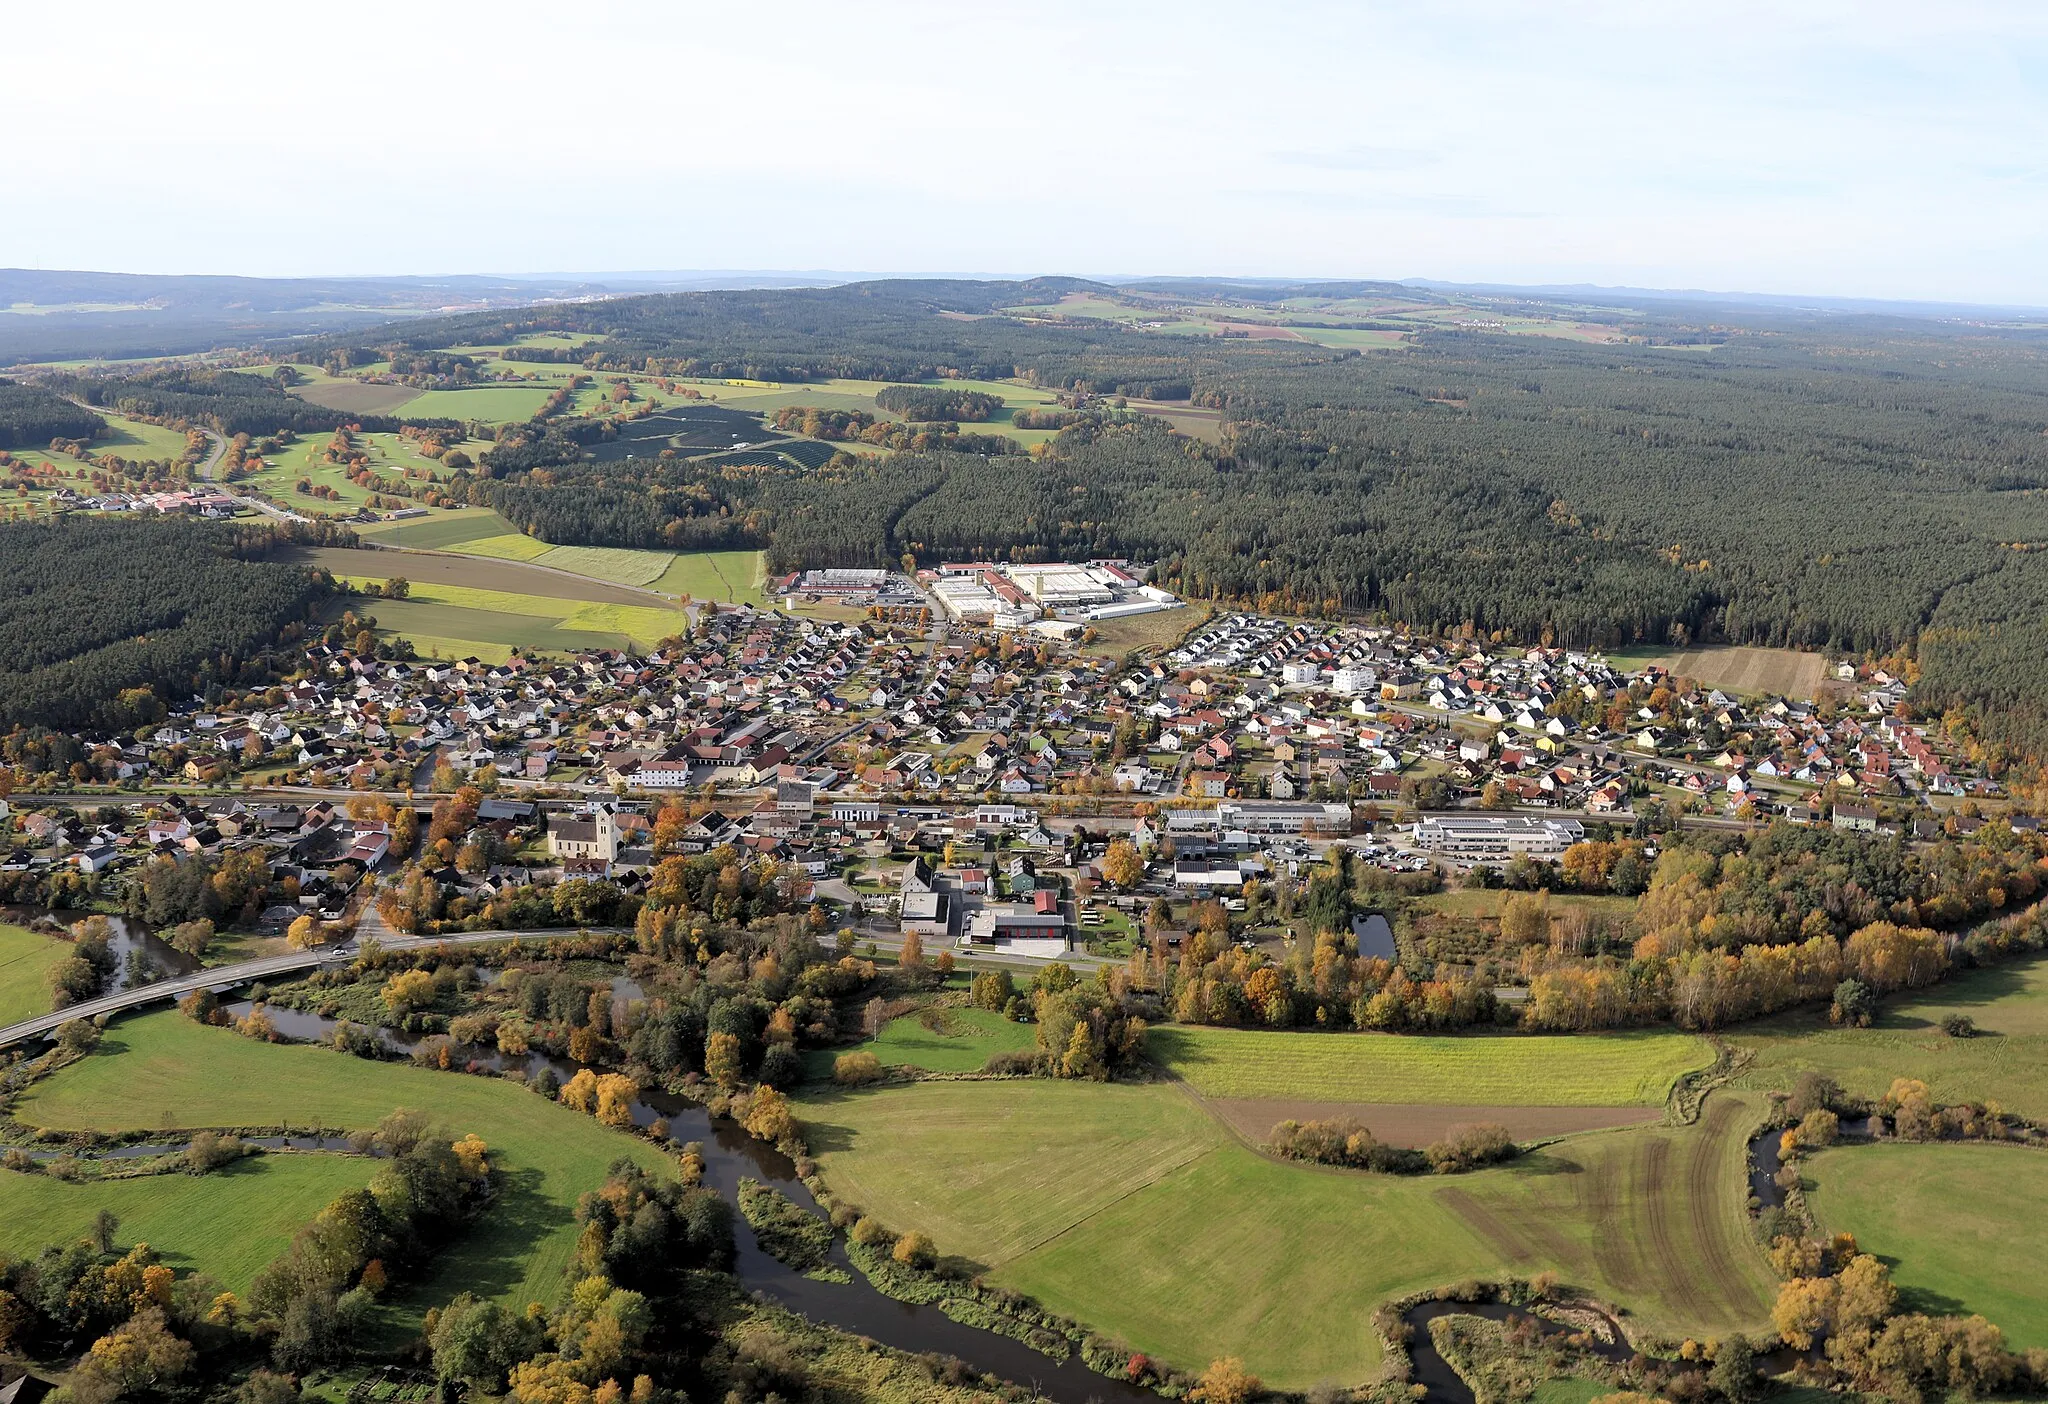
(1397, 1124)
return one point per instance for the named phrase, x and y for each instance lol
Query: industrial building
(1496, 838)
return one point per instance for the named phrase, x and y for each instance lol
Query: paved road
(241, 973)
(371, 927)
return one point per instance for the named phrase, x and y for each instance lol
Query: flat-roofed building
(1283, 817)
(1496, 838)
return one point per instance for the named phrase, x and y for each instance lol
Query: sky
(1870, 149)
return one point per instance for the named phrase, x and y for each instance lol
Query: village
(964, 786)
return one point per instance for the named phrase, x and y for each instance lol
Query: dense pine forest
(1859, 483)
(31, 416)
(102, 621)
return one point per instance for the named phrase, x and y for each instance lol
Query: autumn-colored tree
(1525, 918)
(615, 1093)
(472, 1154)
(580, 1091)
(915, 1250)
(1226, 1381)
(722, 1060)
(768, 1116)
(1122, 866)
(408, 991)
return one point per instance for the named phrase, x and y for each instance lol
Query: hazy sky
(1890, 148)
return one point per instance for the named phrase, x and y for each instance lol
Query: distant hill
(62, 314)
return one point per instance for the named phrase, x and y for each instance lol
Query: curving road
(205, 471)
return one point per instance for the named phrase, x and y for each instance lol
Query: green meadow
(25, 961)
(1129, 1208)
(1961, 1225)
(227, 1224)
(948, 1039)
(165, 1072)
(460, 617)
(2007, 1062)
(730, 577)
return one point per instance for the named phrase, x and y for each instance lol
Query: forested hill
(896, 330)
(1860, 483)
(232, 402)
(102, 621)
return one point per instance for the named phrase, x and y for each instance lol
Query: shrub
(210, 1150)
(1958, 1026)
(1011, 1062)
(855, 1069)
(409, 991)
(1343, 1141)
(867, 1233)
(1472, 1147)
(767, 1116)
(1227, 1382)
(781, 1066)
(1855, 1005)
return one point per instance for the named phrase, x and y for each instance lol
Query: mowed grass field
(490, 404)
(165, 1072)
(439, 531)
(2007, 1062)
(541, 616)
(481, 532)
(25, 961)
(454, 621)
(1129, 1208)
(510, 547)
(626, 567)
(729, 577)
(949, 1040)
(1606, 1070)
(228, 1224)
(1961, 1225)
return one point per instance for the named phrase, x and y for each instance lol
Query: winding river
(730, 1154)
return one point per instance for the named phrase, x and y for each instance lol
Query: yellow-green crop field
(1589, 1070)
